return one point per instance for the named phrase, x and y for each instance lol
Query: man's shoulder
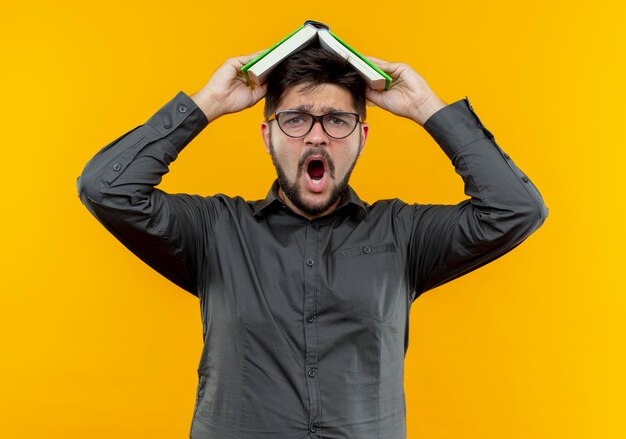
(386, 204)
(397, 207)
(216, 202)
(218, 197)
(223, 201)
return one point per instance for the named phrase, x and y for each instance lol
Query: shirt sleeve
(167, 231)
(448, 241)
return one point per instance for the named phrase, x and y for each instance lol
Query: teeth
(316, 181)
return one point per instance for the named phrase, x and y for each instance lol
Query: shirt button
(167, 124)
(313, 428)
(367, 249)
(310, 318)
(182, 108)
(525, 179)
(312, 373)
(310, 262)
(117, 167)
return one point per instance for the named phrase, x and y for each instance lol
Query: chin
(314, 201)
(316, 204)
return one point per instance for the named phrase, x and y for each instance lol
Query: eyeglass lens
(298, 124)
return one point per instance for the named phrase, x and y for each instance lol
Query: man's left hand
(409, 95)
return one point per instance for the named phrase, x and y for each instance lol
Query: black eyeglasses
(297, 123)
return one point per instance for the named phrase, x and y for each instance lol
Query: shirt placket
(311, 264)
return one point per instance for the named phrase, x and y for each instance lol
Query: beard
(292, 189)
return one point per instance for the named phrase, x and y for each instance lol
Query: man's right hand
(227, 90)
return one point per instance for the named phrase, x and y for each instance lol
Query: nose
(317, 135)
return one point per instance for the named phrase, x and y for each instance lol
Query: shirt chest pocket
(364, 281)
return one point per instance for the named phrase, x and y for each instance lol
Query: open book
(257, 70)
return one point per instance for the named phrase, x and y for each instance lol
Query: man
(305, 295)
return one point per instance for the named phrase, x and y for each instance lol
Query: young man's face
(294, 157)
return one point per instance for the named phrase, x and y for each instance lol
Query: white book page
(259, 71)
(330, 43)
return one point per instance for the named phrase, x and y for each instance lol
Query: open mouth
(316, 174)
(316, 170)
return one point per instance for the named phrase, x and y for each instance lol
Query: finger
(391, 68)
(259, 92)
(246, 58)
(373, 96)
(376, 60)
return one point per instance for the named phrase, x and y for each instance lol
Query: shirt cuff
(455, 126)
(179, 120)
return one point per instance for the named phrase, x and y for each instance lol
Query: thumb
(374, 96)
(259, 92)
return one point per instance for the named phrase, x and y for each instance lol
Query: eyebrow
(325, 109)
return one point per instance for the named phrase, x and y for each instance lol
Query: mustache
(313, 151)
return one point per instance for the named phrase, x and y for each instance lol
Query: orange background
(95, 344)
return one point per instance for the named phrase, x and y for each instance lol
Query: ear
(364, 131)
(266, 132)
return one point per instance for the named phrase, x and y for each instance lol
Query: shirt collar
(348, 198)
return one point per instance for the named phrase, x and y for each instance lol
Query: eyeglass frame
(320, 119)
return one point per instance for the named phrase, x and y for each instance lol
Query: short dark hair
(315, 66)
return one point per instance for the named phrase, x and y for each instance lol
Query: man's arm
(118, 187)
(167, 231)
(448, 241)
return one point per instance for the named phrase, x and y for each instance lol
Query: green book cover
(316, 24)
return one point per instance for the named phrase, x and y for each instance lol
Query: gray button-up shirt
(305, 322)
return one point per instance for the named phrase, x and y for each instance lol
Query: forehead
(322, 98)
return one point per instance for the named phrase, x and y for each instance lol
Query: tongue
(316, 169)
